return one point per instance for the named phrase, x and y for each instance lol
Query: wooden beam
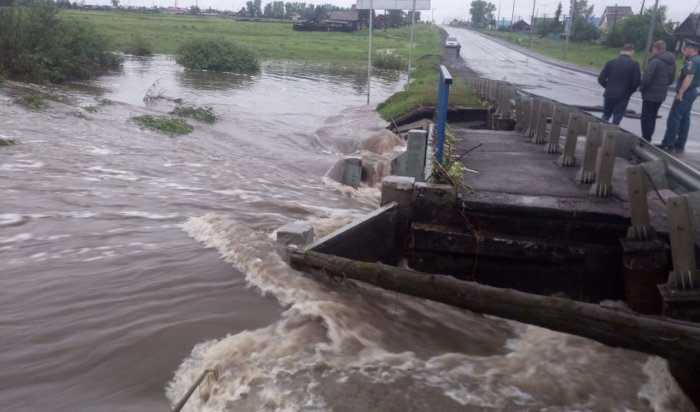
(673, 340)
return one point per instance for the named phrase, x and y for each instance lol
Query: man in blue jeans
(678, 123)
(620, 77)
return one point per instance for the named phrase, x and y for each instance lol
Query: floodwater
(131, 261)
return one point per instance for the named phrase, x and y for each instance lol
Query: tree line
(633, 29)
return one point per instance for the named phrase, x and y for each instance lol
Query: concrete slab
(514, 171)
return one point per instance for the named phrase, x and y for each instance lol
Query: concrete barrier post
(524, 117)
(684, 275)
(552, 145)
(532, 118)
(542, 117)
(640, 229)
(594, 138)
(415, 154)
(299, 234)
(568, 158)
(352, 173)
(605, 166)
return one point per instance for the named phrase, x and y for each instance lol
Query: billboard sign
(393, 4)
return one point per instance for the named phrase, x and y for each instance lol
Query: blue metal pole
(443, 99)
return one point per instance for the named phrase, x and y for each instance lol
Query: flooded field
(131, 261)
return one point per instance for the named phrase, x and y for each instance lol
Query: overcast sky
(446, 10)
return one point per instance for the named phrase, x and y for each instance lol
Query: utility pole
(571, 27)
(651, 34)
(532, 20)
(498, 19)
(512, 16)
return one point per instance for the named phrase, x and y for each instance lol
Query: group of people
(621, 77)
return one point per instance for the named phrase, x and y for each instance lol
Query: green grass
(95, 107)
(587, 54)
(7, 142)
(165, 124)
(202, 114)
(32, 101)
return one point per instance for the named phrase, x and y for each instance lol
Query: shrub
(139, 47)
(388, 61)
(7, 142)
(32, 101)
(217, 55)
(203, 114)
(38, 46)
(165, 124)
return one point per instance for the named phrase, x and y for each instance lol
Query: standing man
(659, 74)
(620, 77)
(678, 123)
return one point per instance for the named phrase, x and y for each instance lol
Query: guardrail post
(568, 158)
(594, 138)
(532, 116)
(605, 165)
(541, 129)
(443, 99)
(524, 117)
(681, 294)
(684, 275)
(640, 227)
(552, 145)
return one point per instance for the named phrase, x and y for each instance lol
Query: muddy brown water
(131, 261)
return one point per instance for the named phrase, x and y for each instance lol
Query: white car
(451, 42)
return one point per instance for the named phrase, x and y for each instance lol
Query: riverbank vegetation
(37, 45)
(202, 114)
(32, 101)
(164, 124)
(217, 55)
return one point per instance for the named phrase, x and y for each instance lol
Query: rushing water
(131, 261)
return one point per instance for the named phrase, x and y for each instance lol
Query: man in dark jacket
(659, 74)
(620, 77)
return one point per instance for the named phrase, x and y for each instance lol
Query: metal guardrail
(650, 168)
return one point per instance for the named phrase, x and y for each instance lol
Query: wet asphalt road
(567, 85)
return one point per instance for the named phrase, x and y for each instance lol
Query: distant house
(521, 26)
(346, 20)
(613, 15)
(175, 10)
(294, 16)
(688, 30)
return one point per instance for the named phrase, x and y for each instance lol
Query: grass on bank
(100, 104)
(32, 101)
(583, 53)
(202, 114)
(164, 124)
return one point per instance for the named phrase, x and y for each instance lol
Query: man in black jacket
(659, 74)
(620, 77)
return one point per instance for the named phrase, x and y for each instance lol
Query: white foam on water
(662, 391)
(114, 174)
(18, 167)
(352, 347)
(18, 238)
(369, 196)
(12, 219)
